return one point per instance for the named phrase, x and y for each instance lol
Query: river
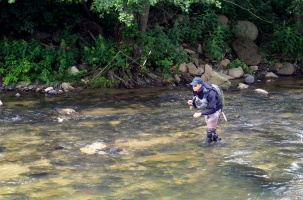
(145, 144)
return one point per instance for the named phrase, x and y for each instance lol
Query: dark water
(145, 144)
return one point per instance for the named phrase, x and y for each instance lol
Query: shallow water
(145, 144)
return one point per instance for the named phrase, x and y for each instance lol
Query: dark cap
(196, 81)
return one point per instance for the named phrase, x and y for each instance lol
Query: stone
(67, 111)
(23, 83)
(261, 91)
(1, 104)
(192, 69)
(254, 68)
(183, 68)
(247, 51)
(242, 86)
(278, 66)
(287, 69)
(52, 92)
(191, 52)
(48, 89)
(270, 75)
(74, 70)
(223, 20)
(236, 72)
(65, 85)
(224, 62)
(247, 30)
(249, 79)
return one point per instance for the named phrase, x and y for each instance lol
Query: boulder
(192, 69)
(270, 75)
(223, 20)
(67, 112)
(182, 67)
(249, 79)
(246, 50)
(236, 72)
(287, 69)
(247, 30)
(215, 78)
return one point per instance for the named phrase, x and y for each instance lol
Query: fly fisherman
(207, 99)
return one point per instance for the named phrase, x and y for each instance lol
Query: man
(206, 98)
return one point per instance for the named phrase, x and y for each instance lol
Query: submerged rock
(261, 91)
(67, 112)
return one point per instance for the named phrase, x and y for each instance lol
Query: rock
(66, 111)
(48, 89)
(52, 92)
(183, 68)
(200, 50)
(10, 87)
(247, 30)
(249, 79)
(60, 92)
(1, 104)
(215, 78)
(287, 69)
(236, 72)
(192, 69)
(223, 20)
(271, 75)
(2, 149)
(247, 51)
(277, 66)
(254, 68)
(261, 91)
(23, 84)
(42, 36)
(65, 86)
(177, 78)
(225, 76)
(18, 95)
(242, 86)
(224, 62)
(74, 70)
(191, 52)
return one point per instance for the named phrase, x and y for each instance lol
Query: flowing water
(145, 144)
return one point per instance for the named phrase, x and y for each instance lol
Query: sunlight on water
(145, 144)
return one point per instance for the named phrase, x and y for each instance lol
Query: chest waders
(211, 133)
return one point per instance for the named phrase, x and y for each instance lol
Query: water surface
(145, 144)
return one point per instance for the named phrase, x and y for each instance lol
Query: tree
(127, 9)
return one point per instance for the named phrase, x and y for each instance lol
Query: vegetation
(109, 40)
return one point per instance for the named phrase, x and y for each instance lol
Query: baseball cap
(196, 81)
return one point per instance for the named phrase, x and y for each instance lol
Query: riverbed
(145, 144)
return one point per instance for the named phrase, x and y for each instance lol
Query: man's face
(197, 87)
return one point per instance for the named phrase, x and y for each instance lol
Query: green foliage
(102, 82)
(288, 40)
(22, 61)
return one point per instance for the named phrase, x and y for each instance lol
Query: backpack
(220, 93)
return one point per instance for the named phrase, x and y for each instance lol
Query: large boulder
(287, 69)
(246, 50)
(215, 78)
(247, 30)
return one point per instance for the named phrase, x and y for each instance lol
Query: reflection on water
(144, 144)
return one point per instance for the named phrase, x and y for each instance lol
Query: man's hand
(197, 115)
(190, 102)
